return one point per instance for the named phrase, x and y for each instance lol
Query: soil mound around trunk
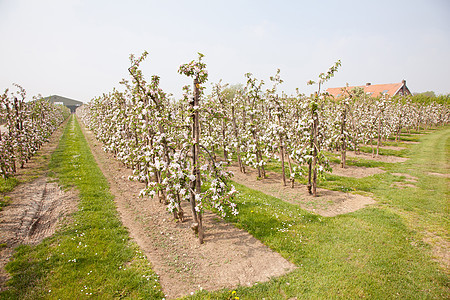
(327, 204)
(439, 174)
(381, 158)
(356, 172)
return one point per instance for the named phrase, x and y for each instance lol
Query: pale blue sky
(80, 48)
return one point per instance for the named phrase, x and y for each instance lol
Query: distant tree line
(430, 97)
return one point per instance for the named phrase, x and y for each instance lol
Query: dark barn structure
(70, 103)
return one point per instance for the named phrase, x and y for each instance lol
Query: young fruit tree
(317, 159)
(160, 140)
(28, 125)
(219, 191)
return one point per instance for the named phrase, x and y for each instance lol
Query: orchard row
(179, 148)
(28, 125)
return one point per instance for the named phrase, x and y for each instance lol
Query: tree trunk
(263, 171)
(236, 136)
(310, 162)
(312, 171)
(371, 146)
(258, 154)
(196, 184)
(315, 153)
(282, 164)
(343, 156)
(379, 135)
(309, 186)
(355, 145)
(291, 178)
(343, 139)
(283, 172)
(224, 143)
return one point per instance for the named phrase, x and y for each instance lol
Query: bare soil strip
(396, 148)
(228, 258)
(409, 178)
(35, 211)
(409, 181)
(357, 172)
(36, 208)
(402, 185)
(327, 204)
(440, 248)
(410, 142)
(382, 158)
(439, 174)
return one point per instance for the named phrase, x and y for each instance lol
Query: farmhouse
(375, 90)
(70, 103)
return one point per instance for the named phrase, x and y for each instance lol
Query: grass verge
(91, 255)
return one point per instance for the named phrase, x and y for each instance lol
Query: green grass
(370, 253)
(405, 137)
(428, 200)
(425, 206)
(6, 186)
(341, 183)
(380, 182)
(377, 252)
(92, 252)
(383, 151)
(355, 161)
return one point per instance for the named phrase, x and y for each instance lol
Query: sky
(80, 49)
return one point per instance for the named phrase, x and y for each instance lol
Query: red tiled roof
(373, 90)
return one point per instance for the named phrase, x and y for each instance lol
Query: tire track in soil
(228, 258)
(36, 207)
(34, 215)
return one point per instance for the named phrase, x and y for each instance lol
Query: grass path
(425, 206)
(91, 256)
